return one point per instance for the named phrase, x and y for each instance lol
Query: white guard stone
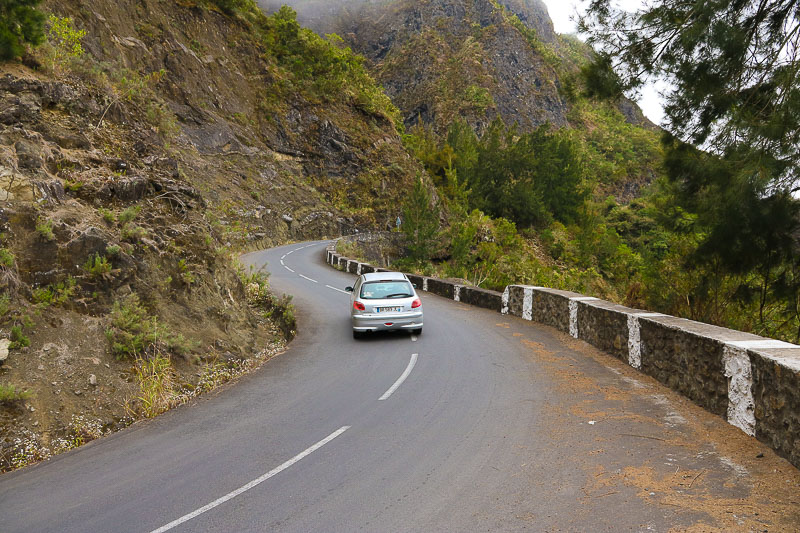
(527, 303)
(741, 406)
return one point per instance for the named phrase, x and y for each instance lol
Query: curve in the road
(499, 424)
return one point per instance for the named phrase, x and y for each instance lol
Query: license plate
(389, 309)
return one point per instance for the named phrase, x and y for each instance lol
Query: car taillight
(416, 303)
(359, 306)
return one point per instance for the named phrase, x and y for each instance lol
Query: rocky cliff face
(136, 173)
(452, 59)
(476, 60)
(444, 59)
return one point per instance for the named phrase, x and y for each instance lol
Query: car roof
(385, 276)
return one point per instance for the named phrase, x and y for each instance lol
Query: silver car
(384, 301)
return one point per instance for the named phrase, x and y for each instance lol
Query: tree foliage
(732, 67)
(20, 23)
(733, 70)
(323, 67)
(531, 178)
(420, 221)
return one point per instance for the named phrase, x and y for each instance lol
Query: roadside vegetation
(703, 239)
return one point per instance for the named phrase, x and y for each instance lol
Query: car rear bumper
(384, 322)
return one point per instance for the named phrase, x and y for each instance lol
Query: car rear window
(378, 290)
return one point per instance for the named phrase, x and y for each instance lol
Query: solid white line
(289, 269)
(334, 288)
(402, 378)
(255, 482)
(309, 279)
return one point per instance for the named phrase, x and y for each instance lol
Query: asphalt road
(499, 425)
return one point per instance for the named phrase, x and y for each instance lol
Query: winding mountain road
(483, 423)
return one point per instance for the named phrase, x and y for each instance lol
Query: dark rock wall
(605, 326)
(551, 308)
(776, 391)
(685, 362)
(481, 297)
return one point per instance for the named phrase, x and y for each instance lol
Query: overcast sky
(561, 11)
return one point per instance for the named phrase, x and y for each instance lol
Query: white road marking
(334, 288)
(282, 263)
(283, 256)
(309, 279)
(402, 378)
(413, 338)
(289, 269)
(254, 483)
(290, 253)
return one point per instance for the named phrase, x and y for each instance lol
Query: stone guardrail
(751, 381)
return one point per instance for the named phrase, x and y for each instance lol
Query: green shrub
(230, 7)
(10, 394)
(107, 215)
(5, 304)
(186, 274)
(97, 266)
(18, 339)
(114, 250)
(57, 294)
(322, 68)
(72, 186)
(65, 39)
(155, 379)
(6, 258)
(129, 214)
(280, 310)
(132, 233)
(134, 333)
(131, 327)
(420, 221)
(44, 228)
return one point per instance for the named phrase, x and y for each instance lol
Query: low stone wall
(751, 381)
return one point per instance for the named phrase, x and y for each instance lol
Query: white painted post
(457, 293)
(635, 338)
(741, 406)
(573, 313)
(504, 308)
(739, 370)
(527, 303)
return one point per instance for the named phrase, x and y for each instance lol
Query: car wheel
(417, 331)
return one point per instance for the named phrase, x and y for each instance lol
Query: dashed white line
(339, 290)
(413, 338)
(254, 483)
(282, 263)
(309, 279)
(401, 379)
(290, 253)
(289, 269)
(283, 256)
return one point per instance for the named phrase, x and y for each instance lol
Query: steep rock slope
(445, 59)
(129, 179)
